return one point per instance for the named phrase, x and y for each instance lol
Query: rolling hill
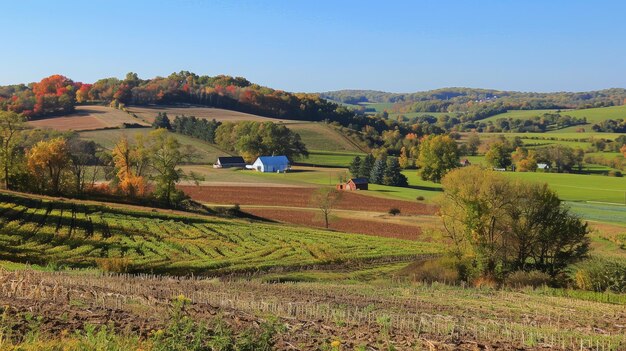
(88, 118)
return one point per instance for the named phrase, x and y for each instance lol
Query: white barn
(271, 164)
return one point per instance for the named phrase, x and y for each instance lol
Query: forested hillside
(57, 95)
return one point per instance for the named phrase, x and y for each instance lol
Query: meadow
(206, 153)
(593, 115)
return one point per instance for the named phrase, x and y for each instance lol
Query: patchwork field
(299, 197)
(75, 234)
(88, 118)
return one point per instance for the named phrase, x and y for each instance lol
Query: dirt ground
(87, 118)
(299, 197)
(311, 218)
(310, 313)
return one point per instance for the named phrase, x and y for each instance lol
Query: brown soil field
(313, 314)
(350, 225)
(87, 118)
(148, 113)
(299, 197)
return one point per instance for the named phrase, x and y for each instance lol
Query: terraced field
(46, 231)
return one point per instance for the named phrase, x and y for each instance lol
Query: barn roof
(230, 159)
(361, 180)
(273, 160)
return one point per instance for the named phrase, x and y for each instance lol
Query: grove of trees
(498, 225)
(252, 139)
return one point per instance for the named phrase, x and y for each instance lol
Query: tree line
(54, 163)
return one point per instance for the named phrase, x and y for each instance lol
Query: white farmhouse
(271, 164)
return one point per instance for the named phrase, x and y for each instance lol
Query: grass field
(320, 136)
(570, 187)
(329, 158)
(593, 115)
(88, 118)
(207, 153)
(45, 232)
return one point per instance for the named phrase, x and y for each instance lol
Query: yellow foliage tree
(48, 160)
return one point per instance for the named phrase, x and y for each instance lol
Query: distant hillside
(606, 97)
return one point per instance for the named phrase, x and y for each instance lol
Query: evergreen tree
(392, 175)
(162, 121)
(378, 171)
(355, 167)
(366, 166)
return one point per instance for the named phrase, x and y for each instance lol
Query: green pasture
(320, 136)
(519, 114)
(206, 153)
(593, 115)
(329, 158)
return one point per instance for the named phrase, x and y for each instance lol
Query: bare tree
(325, 199)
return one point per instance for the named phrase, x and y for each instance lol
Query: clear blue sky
(399, 46)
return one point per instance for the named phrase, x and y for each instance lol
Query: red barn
(354, 184)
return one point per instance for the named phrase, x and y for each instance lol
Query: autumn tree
(504, 225)
(47, 161)
(11, 125)
(438, 155)
(404, 159)
(623, 150)
(126, 161)
(326, 199)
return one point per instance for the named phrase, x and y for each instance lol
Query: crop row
(45, 231)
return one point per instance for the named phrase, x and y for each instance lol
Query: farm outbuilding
(543, 166)
(230, 161)
(354, 184)
(271, 164)
(465, 163)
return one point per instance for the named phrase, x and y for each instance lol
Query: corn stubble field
(399, 316)
(242, 263)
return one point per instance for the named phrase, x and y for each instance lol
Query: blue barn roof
(274, 160)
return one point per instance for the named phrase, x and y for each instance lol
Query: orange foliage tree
(125, 158)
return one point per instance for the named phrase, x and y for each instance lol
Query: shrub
(394, 211)
(441, 270)
(419, 198)
(615, 174)
(600, 275)
(113, 264)
(533, 279)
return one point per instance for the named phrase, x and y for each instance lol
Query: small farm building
(271, 164)
(229, 161)
(543, 166)
(354, 184)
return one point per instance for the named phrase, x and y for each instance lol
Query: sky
(319, 45)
